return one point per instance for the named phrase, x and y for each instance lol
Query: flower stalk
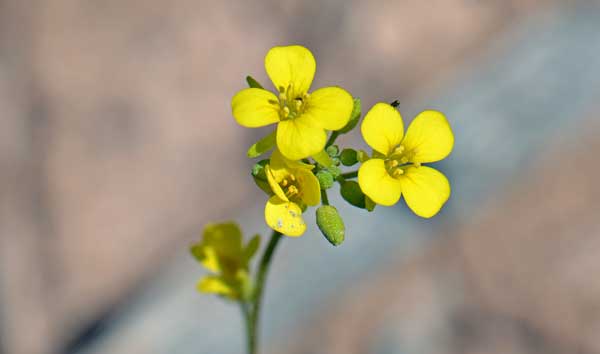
(304, 164)
(253, 310)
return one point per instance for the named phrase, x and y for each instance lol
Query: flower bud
(349, 157)
(362, 155)
(332, 150)
(325, 179)
(352, 193)
(331, 224)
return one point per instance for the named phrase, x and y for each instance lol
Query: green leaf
(252, 247)
(252, 82)
(323, 159)
(349, 157)
(331, 224)
(354, 117)
(263, 145)
(351, 192)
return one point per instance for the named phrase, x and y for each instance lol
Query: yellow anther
(398, 172)
(291, 191)
(399, 149)
(284, 183)
(293, 178)
(394, 163)
(403, 160)
(286, 111)
(298, 105)
(417, 164)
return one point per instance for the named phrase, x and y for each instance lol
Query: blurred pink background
(117, 145)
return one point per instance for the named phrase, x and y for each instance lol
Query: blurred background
(117, 145)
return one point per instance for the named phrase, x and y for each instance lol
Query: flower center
(291, 104)
(291, 187)
(399, 160)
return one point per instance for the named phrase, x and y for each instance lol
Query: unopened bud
(331, 224)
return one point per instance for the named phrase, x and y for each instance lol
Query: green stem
(261, 277)
(334, 135)
(324, 198)
(352, 174)
(249, 329)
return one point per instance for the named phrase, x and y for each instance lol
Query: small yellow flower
(395, 168)
(301, 118)
(294, 187)
(221, 252)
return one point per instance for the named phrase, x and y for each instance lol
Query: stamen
(293, 178)
(284, 183)
(291, 191)
(398, 172)
(399, 150)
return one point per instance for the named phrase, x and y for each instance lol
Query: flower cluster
(221, 251)
(394, 168)
(305, 163)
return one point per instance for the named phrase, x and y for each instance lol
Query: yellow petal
(429, 136)
(377, 184)
(208, 257)
(255, 107)
(382, 128)
(225, 238)
(278, 161)
(329, 108)
(292, 66)
(425, 190)
(215, 285)
(297, 139)
(309, 186)
(285, 217)
(274, 182)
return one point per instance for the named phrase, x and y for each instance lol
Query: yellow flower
(221, 252)
(301, 118)
(395, 168)
(294, 187)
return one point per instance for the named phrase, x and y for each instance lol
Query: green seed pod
(332, 150)
(325, 179)
(349, 157)
(351, 192)
(331, 224)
